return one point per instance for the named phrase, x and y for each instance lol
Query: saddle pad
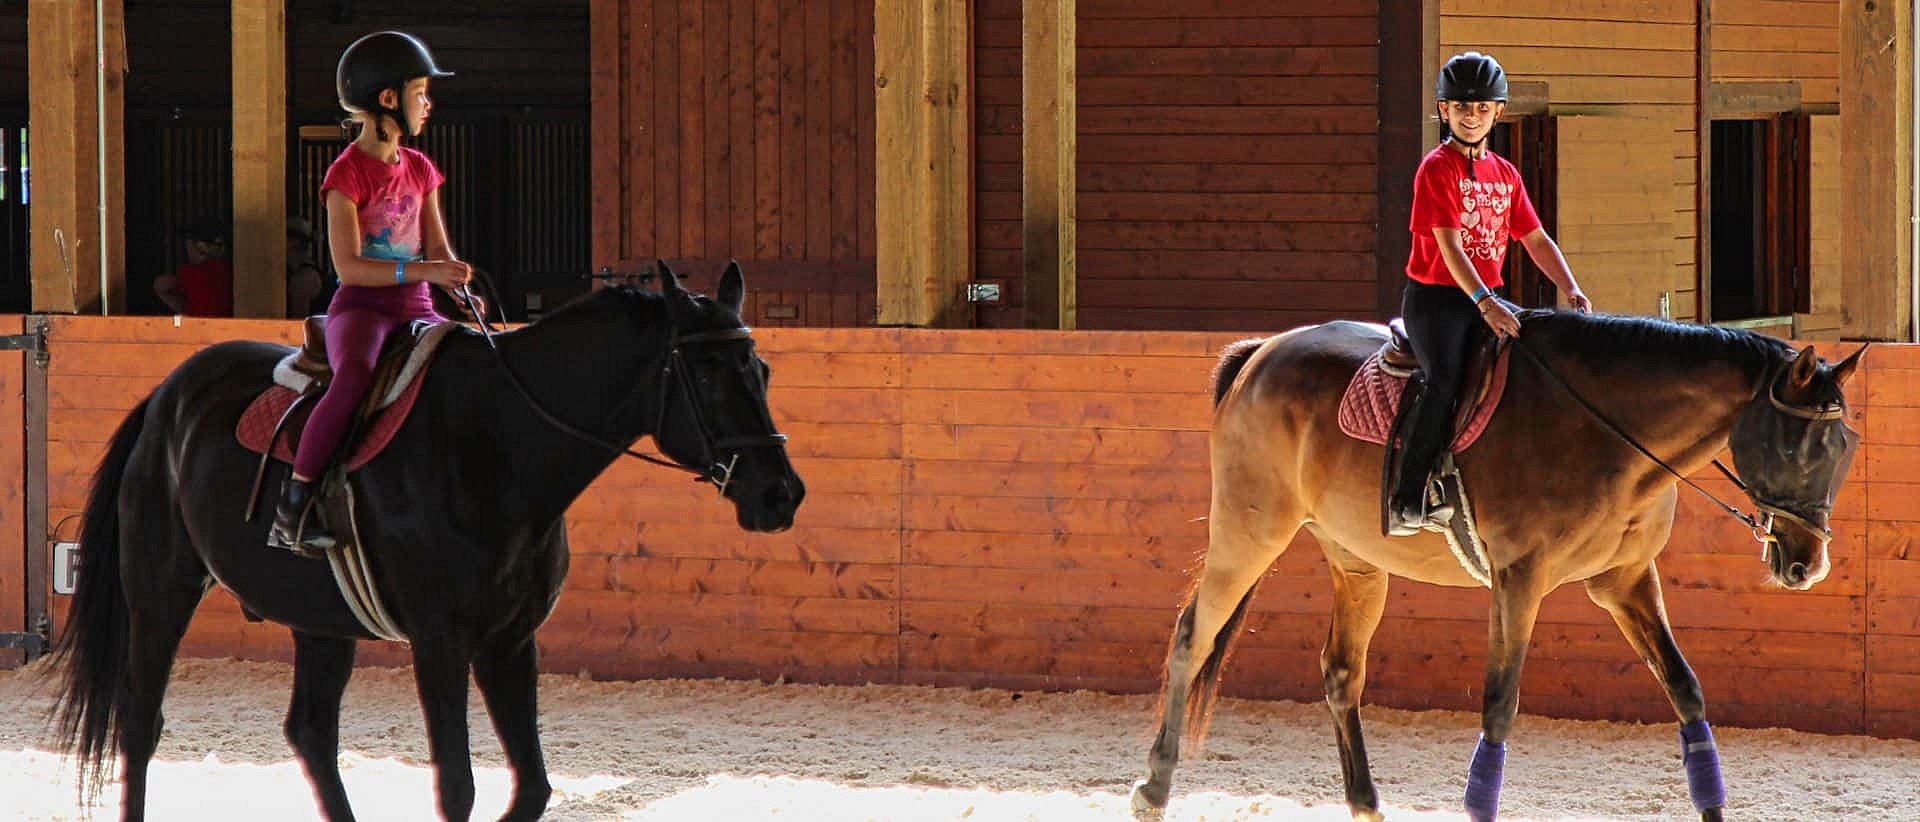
(1373, 398)
(257, 423)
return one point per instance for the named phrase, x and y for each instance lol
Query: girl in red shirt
(388, 240)
(1468, 204)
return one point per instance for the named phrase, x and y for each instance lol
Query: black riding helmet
(1472, 77)
(377, 62)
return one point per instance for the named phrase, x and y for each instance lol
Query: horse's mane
(1650, 342)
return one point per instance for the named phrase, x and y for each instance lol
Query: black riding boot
(1428, 434)
(297, 524)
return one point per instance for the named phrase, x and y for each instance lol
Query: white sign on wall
(66, 567)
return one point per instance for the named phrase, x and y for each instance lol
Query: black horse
(462, 513)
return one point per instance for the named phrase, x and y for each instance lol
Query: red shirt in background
(207, 287)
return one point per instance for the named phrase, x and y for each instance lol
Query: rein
(1760, 522)
(720, 474)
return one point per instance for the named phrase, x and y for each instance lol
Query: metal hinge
(35, 643)
(35, 342)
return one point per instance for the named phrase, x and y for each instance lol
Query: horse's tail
(1232, 358)
(92, 648)
(1206, 681)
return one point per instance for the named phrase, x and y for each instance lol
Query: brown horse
(1561, 495)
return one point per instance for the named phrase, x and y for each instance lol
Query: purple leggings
(355, 337)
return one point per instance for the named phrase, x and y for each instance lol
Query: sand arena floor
(713, 750)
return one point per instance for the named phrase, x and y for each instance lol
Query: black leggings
(1441, 323)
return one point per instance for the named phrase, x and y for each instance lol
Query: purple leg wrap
(1483, 780)
(1702, 759)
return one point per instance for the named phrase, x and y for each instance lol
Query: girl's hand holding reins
(1504, 324)
(1578, 301)
(448, 274)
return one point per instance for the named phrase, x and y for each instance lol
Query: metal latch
(35, 342)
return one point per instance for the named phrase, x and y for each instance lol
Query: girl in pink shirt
(388, 241)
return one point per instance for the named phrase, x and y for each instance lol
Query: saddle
(1371, 405)
(302, 376)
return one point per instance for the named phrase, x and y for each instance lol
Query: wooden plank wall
(1793, 40)
(748, 128)
(1018, 509)
(1616, 215)
(1226, 161)
(1609, 58)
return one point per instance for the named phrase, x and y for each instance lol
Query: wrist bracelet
(1482, 294)
(400, 272)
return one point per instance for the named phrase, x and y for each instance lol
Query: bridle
(713, 468)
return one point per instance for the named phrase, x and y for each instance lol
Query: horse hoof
(1145, 806)
(1368, 816)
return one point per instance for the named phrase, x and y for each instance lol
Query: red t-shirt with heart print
(1490, 204)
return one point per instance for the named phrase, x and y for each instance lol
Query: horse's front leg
(440, 669)
(1517, 591)
(1632, 596)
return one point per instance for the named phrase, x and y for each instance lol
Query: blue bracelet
(400, 272)
(1482, 294)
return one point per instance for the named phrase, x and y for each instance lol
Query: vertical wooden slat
(844, 222)
(259, 158)
(692, 133)
(667, 186)
(864, 96)
(1703, 161)
(767, 186)
(1409, 52)
(719, 148)
(1048, 151)
(13, 492)
(607, 99)
(740, 141)
(638, 172)
(819, 135)
(793, 135)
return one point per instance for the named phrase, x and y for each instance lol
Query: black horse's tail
(92, 649)
(1233, 358)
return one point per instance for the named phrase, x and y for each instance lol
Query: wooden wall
(740, 129)
(1793, 40)
(1228, 147)
(1018, 509)
(13, 56)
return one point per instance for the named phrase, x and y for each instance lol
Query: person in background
(202, 286)
(303, 273)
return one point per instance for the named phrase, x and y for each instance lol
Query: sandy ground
(712, 750)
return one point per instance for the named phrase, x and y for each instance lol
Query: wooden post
(260, 158)
(1409, 65)
(923, 101)
(1048, 158)
(1876, 121)
(66, 148)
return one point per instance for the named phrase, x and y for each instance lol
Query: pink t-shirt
(390, 198)
(1491, 204)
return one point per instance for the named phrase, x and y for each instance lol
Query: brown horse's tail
(1206, 681)
(1232, 358)
(91, 651)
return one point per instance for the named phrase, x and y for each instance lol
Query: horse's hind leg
(159, 610)
(1359, 599)
(321, 668)
(508, 677)
(1632, 596)
(1243, 543)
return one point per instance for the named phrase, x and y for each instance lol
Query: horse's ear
(1805, 366)
(733, 287)
(1845, 369)
(669, 281)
